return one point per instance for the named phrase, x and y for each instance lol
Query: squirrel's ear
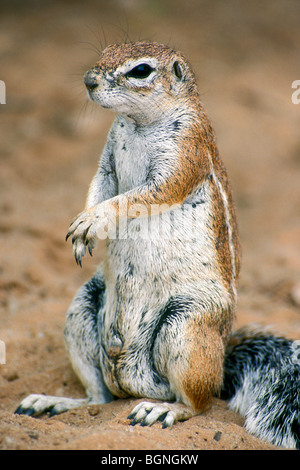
(177, 70)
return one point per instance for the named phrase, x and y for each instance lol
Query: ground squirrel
(156, 319)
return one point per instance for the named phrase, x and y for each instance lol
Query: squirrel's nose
(90, 80)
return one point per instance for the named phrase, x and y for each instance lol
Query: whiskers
(86, 115)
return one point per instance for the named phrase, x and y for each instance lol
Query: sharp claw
(162, 416)
(78, 260)
(23, 411)
(90, 250)
(134, 422)
(52, 412)
(143, 423)
(19, 410)
(84, 235)
(71, 231)
(29, 412)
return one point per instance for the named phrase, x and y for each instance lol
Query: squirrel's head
(142, 80)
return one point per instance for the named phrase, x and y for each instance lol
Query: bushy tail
(262, 382)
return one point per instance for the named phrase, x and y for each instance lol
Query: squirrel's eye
(140, 71)
(177, 70)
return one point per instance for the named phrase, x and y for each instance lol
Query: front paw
(82, 230)
(100, 221)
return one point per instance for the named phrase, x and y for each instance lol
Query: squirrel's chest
(136, 150)
(132, 165)
(132, 160)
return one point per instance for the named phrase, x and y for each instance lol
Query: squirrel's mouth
(97, 97)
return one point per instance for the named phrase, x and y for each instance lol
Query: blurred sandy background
(246, 56)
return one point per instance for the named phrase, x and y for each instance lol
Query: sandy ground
(246, 58)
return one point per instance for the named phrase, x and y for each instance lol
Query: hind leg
(82, 342)
(188, 351)
(194, 371)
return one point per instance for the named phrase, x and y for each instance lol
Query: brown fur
(203, 376)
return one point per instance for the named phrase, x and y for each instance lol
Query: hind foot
(36, 405)
(147, 413)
